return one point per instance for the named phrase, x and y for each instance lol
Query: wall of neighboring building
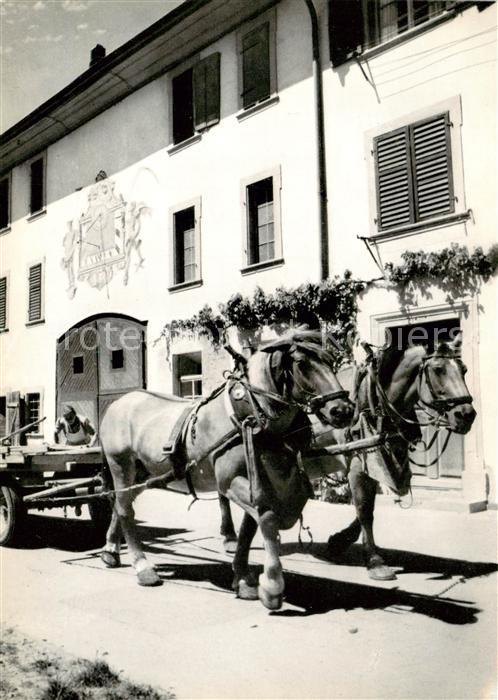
(450, 67)
(130, 142)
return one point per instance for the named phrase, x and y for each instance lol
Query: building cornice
(189, 28)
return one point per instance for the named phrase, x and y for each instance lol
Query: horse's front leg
(271, 581)
(124, 477)
(244, 582)
(227, 529)
(363, 490)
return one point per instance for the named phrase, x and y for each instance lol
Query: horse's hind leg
(123, 474)
(363, 490)
(244, 583)
(227, 529)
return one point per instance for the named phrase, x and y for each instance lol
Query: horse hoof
(245, 591)
(272, 602)
(230, 545)
(111, 559)
(381, 573)
(148, 577)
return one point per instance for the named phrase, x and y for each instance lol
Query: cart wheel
(101, 514)
(12, 516)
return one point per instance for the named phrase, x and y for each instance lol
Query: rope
(307, 547)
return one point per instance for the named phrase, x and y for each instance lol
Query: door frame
(466, 310)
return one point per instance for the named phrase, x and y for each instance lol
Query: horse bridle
(440, 405)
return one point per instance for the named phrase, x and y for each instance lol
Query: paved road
(431, 633)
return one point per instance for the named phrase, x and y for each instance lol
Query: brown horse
(242, 440)
(394, 384)
(389, 387)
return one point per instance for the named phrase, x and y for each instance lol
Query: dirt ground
(38, 670)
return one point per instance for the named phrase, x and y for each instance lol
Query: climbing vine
(333, 303)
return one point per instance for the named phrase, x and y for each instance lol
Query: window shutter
(207, 92)
(3, 302)
(432, 167)
(35, 293)
(37, 187)
(256, 65)
(394, 187)
(345, 29)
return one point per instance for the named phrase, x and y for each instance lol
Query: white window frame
(196, 203)
(40, 261)
(7, 228)
(276, 175)
(35, 214)
(38, 433)
(269, 17)
(453, 106)
(196, 136)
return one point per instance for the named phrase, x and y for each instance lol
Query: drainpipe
(320, 139)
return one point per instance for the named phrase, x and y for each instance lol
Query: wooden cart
(49, 476)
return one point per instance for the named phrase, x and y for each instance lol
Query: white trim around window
(453, 107)
(8, 178)
(248, 263)
(177, 281)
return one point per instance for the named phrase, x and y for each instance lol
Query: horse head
(442, 385)
(301, 370)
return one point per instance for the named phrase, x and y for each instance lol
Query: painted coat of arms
(104, 239)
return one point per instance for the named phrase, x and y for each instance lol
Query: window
(187, 369)
(78, 364)
(262, 234)
(414, 173)
(4, 203)
(196, 98)
(257, 64)
(117, 359)
(32, 403)
(357, 25)
(35, 293)
(37, 185)
(186, 243)
(3, 416)
(3, 303)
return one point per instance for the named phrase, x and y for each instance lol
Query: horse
(242, 440)
(389, 387)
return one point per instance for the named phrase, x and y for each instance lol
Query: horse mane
(309, 342)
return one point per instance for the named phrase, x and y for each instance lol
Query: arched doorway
(98, 360)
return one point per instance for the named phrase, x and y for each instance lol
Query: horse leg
(363, 490)
(124, 476)
(271, 581)
(227, 529)
(244, 583)
(110, 554)
(338, 543)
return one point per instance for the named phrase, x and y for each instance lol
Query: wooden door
(121, 359)
(77, 371)
(449, 463)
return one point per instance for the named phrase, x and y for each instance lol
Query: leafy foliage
(333, 303)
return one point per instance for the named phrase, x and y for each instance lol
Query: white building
(183, 167)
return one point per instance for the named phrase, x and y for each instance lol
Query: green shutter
(35, 293)
(256, 85)
(207, 92)
(394, 182)
(432, 173)
(3, 302)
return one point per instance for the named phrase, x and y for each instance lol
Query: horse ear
(457, 343)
